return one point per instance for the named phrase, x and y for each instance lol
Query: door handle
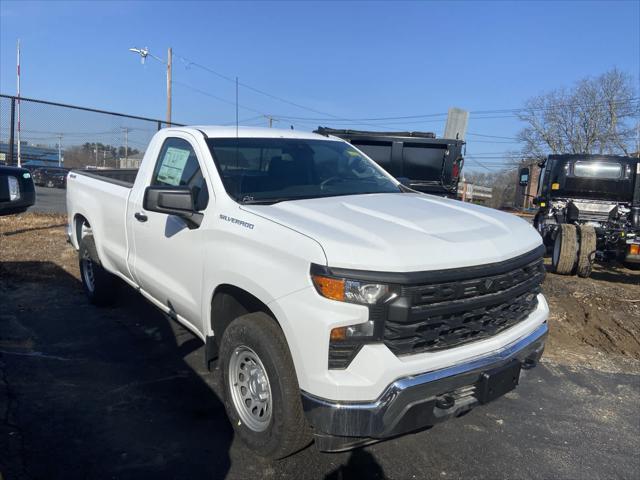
(141, 217)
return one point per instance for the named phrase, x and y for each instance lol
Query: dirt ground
(594, 322)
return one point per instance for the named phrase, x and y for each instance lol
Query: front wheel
(262, 396)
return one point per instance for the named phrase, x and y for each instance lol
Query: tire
(99, 285)
(565, 249)
(273, 423)
(586, 254)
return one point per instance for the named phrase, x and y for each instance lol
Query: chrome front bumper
(416, 402)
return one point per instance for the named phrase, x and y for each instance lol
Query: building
(30, 155)
(132, 161)
(469, 192)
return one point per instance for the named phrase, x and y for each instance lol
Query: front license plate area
(495, 383)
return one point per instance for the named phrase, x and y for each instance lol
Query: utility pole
(18, 91)
(59, 149)
(125, 130)
(169, 62)
(271, 120)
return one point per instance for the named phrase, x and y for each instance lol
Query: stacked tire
(574, 250)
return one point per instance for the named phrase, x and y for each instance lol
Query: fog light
(361, 330)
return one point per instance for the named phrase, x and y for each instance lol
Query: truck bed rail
(125, 177)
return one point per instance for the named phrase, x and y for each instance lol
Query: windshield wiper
(271, 201)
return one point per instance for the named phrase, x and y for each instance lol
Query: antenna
(236, 107)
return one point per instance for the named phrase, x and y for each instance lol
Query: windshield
(269, 170)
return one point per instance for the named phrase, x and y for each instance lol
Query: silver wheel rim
(87, 273)
(250, 388)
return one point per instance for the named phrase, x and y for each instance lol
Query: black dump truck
(17, 192)
(588, 210)
(418, 159)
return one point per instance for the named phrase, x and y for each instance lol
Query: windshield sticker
(173, 165)
(238, 222)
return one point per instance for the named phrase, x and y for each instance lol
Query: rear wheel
(565, 249)
(99, 285)
(262, 396)
(587, 252)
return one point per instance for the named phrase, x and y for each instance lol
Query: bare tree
(598, 115)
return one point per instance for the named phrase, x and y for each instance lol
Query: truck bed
(102, 196)
(125, 177)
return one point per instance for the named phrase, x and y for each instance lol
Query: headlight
(352, 291)
(14, 188)
(346, 341)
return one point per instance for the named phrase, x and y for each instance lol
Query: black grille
(436, 316)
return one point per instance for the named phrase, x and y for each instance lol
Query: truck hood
(403, 232)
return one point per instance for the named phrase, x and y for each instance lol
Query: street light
(144, 53)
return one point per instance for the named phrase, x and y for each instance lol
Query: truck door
(167, 255)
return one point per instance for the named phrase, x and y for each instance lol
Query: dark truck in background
(588, 210)
(419, 159)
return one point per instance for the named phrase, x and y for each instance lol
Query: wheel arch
(78, 220)
(229, 302)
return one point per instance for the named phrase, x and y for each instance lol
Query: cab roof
(214, 131)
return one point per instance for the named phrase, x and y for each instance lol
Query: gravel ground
(122, 392)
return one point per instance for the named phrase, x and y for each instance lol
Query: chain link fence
(39, 133)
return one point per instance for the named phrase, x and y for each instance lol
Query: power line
(490, 136)
(253, 89)
(484, 114)
(478, 114)
(220, 99)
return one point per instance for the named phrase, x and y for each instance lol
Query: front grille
(437, 316)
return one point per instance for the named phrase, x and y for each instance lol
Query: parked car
(419, 159)
(52, 177)
(339, 305)
(588, 210)
(17, 192)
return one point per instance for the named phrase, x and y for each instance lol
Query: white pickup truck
(340, 306)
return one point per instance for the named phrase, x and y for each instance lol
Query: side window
(177, 166)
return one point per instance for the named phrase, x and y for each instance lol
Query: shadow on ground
(96, 393)
(88, 393)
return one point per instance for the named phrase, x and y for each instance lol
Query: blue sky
(350, 60)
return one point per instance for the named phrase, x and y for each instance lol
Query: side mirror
(176, 201)
(524, 177)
